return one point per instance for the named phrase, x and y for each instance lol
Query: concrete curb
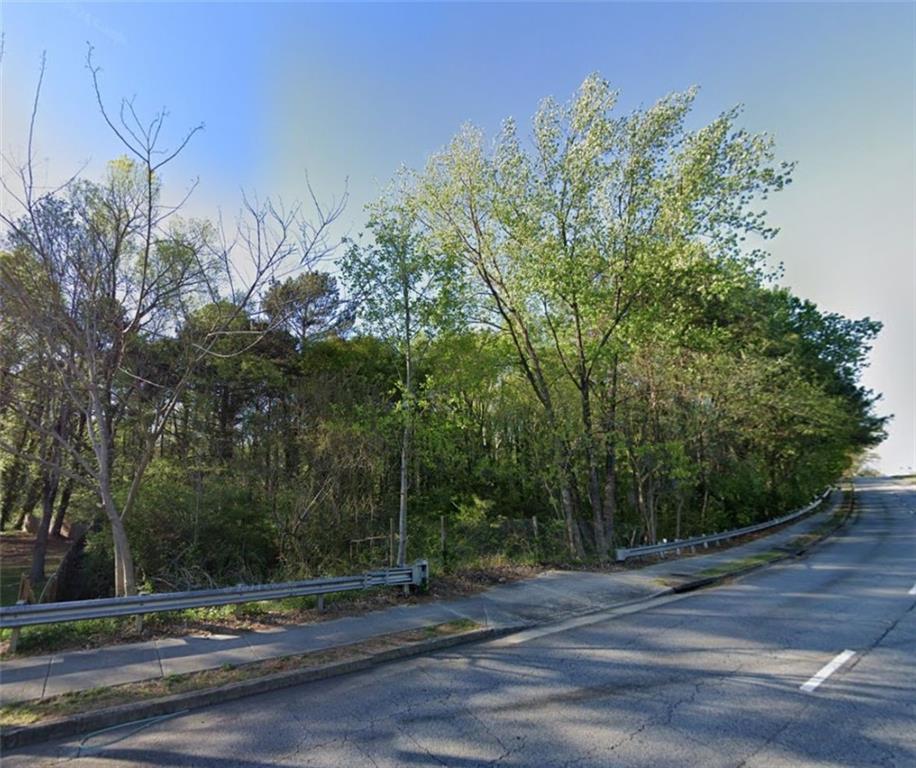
(709, 581)
(12, 738)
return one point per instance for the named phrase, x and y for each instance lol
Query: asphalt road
(723, 677)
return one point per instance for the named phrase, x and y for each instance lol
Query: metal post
(391, 542)
(420, 573)
(537, 538)
(14, 635)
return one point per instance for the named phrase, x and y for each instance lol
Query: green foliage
(192, 526)
(308, 306)
(567, 326)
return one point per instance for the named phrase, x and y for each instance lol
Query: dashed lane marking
(828, 669)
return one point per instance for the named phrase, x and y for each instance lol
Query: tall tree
(604, 217)
(404, 295)
(309, 306)
(113, 267)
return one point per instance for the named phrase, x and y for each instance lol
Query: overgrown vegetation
(538, 350)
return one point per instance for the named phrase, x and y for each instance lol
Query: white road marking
(828, 669)
(912, 590)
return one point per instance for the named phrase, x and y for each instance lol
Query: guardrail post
(14, 634)
(138, 619)
(420, 573)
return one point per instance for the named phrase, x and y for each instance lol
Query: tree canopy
(552, 343)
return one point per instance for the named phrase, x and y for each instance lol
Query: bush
(196, 528)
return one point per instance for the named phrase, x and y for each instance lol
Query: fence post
(537, 538)
(442, 544)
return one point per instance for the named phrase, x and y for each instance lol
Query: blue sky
(353, 91)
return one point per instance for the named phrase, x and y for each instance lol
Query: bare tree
(96, 271)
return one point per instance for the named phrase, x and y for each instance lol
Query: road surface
(808, 663)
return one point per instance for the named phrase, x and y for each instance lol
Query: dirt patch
(16, 549)
(16, 559)
(472, 581)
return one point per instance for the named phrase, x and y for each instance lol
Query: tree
(308, 306)
(605, 218)
(404, 295)
(114, 267)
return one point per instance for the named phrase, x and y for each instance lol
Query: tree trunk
(58, 524)
(651, 510)
(594, 483)
(704, 507)
(408, 415)
(569, 518)
(101, 436)
(14, 478)
(28, 505)
(50, 482)
(402, 506)
(64, 504)
(40, 548)
(678, 515)
(610, 460)
(568, 499)
(125, 579)
(640, 506)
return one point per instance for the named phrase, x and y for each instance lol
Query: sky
(345, 94)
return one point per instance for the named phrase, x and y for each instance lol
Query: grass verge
(79, 702)
(737, 566)
(799, 543)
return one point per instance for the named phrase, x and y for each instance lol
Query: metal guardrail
(14, 616)
(659, 549)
